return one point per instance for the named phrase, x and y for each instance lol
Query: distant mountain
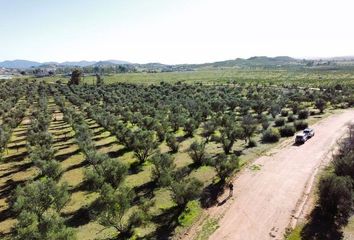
(117, 61)
(23, 64)
(253, 62)
(109, 63)
(19, 64)
(78, 63)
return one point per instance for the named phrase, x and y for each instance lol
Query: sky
(171, 31)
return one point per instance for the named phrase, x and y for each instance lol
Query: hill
(19, 64)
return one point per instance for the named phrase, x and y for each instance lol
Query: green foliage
(38, 204)
(114, 210)
(230, 132)
(43, 158)
(172, 142)
(190, 214)
(197, 153)
(284, 113)
(287, 131)
(303, 114)
(271, 135)
(265, 124)
(190, 126)
(51, 227)
(335, 202)
(249, 126)
(291, 118)
(279, 122)
(108, 171)
(163, 166)
(336, 197)
(225, 165)
(209, 129)
(185, 190)
(252, 143)
(75, 77)
(39, 196)
(320, 104)
(300, 125)
(144, 144)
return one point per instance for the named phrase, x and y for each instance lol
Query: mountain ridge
(25, 64)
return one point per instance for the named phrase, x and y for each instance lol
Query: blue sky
(167, 31)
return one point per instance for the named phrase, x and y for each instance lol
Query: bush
(300, 125)
(291, 118)
(284, 113)
(303, 114)
(252, 143)
(271, 135)
(279, 122)
(287, 131)
(172, 142)
(265, 124)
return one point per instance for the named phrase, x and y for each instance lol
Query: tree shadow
(16, 169)
(75, 166)
(144, 191)
(79, 217)
(15, 158)
(65, 156)
(109, 144)
(83, 186)
(211, 193)
(10, 185)
(167, 222)
(118, 153)
(321, 227)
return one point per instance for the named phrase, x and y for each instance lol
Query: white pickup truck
(305, 135)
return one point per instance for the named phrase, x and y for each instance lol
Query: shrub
(271, 135)
(300, 125)
(287, 131)
(303, 114)
(291, 118)
(279, 122)
(252, 143)
(265, 124)
(284, 113)
(172, 142)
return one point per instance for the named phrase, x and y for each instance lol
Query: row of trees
(144, 140)
(106, 176)
(38, 203)
(12, 110)
(142, 117)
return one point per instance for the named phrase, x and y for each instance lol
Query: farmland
(315, 77)
(141, 155)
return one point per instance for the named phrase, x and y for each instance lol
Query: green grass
(295, 234)
(208, 228)
(190, 214)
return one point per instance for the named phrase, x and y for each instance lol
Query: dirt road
(266, 200)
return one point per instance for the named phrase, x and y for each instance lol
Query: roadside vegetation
(335, 195)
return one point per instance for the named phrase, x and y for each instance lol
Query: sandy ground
(269, 200)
